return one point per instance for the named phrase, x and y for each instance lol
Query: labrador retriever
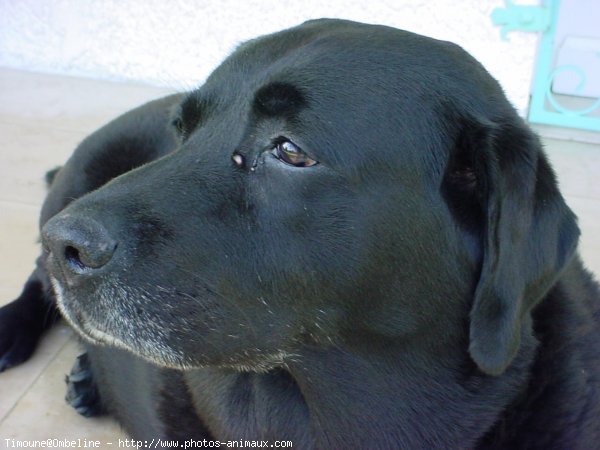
(346, 238)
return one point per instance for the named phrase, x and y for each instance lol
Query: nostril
(79, 244)
(88, 255)
(73, 259)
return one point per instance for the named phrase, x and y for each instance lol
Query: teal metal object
(520, 17)
(544, 108)
(582, 78)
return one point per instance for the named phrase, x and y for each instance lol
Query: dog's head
(334, 181)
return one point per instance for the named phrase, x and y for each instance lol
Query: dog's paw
(82, 393)
(18, 336)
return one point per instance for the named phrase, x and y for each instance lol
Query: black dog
(353, 242)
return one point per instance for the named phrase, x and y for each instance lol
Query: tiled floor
(42, 118)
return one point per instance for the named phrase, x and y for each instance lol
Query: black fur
(419, 287)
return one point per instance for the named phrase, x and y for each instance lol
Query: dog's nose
(78, 244)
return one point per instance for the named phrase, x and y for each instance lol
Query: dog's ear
(528, 233)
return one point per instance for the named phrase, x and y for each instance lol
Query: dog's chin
(98, 337)
(92, 333)
(89, 332)
(80, 323)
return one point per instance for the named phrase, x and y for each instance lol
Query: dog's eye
(291, 154)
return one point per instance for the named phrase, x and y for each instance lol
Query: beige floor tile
(577, 166)
(42, 412)
(27, 152)
(68, 103)
(588, 212)
(18, 245)
(15, 382)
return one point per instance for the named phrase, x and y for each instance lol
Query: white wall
(177, 43)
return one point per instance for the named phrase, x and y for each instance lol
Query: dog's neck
(380, 395)
(395, 397)
(549, 397)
